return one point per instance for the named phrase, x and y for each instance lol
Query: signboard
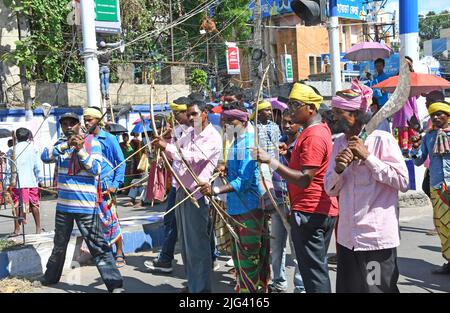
(107, 14)
(351, 9)
(289, 70)
(107, 10)
(233, 65)
(391, 68)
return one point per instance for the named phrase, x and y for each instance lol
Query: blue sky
(424, 5)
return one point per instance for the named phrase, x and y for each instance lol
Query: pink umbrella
(276, 104)
(147, 117)
(368, 51)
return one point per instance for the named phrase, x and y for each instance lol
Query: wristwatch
(215, 190)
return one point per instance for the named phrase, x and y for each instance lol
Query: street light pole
(87, 9)
(409, 28)
(335, 54)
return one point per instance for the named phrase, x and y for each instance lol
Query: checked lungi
(251, 254)
(440, 198)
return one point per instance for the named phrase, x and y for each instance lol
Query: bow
(222, 213)
(163, 155)
(272, 200)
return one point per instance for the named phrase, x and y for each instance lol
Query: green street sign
(289, 68)
(107, 10)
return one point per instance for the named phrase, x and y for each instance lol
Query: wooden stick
(188, 196)
(175, 175)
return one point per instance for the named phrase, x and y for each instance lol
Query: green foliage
(45, 50)
(431, 24)
(199, 80)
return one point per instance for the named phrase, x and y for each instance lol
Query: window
(312, 65)
(319, 64)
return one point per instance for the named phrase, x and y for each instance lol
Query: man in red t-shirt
(313, 212)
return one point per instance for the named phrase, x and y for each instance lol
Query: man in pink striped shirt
(200, 147)
(366, 177)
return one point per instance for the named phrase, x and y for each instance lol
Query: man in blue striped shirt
(79, 164)
(112, 177)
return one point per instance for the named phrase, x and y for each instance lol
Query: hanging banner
(233, 65)
(289, 70)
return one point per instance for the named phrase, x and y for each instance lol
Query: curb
(413, 199)
(142, 234)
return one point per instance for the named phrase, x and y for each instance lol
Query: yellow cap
(305, 94)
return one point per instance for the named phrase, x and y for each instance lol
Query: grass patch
(6, 244)
(15, 285)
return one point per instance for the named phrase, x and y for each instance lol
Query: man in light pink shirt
(200, 146)
(366, 176)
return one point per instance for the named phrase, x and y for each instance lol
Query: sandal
(120, 261)
(12, 235)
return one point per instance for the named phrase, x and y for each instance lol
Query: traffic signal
(310, 11)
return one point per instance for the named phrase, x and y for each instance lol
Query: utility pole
(171, 31)
(409, 28)
(87, 9)
(25, 84)
(335, 54)
(257, 44)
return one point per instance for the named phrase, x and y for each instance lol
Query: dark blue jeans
(89, 226)
(170, 229)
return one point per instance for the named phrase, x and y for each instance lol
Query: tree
(199, 80)
(431, 24)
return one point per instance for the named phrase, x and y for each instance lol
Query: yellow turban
(261, 106)
(178, 107)
(92, 112)
(305, 94)
(439, 106)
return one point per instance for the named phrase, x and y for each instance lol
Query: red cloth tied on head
(236, 114)
(359, 98)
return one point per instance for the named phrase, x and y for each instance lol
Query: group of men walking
(301, 181)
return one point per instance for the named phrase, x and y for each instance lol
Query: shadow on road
(418, 273)
(414, 229)
(431, 248)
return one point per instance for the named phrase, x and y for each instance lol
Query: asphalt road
(418, 254)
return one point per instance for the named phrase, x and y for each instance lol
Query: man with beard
(366, 176)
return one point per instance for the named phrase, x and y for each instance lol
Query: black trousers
(426, 183)
(89, 226)
(367, 271)
(311, 240)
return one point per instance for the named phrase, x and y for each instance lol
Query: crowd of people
(267, 180)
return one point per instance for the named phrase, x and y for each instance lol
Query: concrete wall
(445, 33)
(130, 94)
(311, 41)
